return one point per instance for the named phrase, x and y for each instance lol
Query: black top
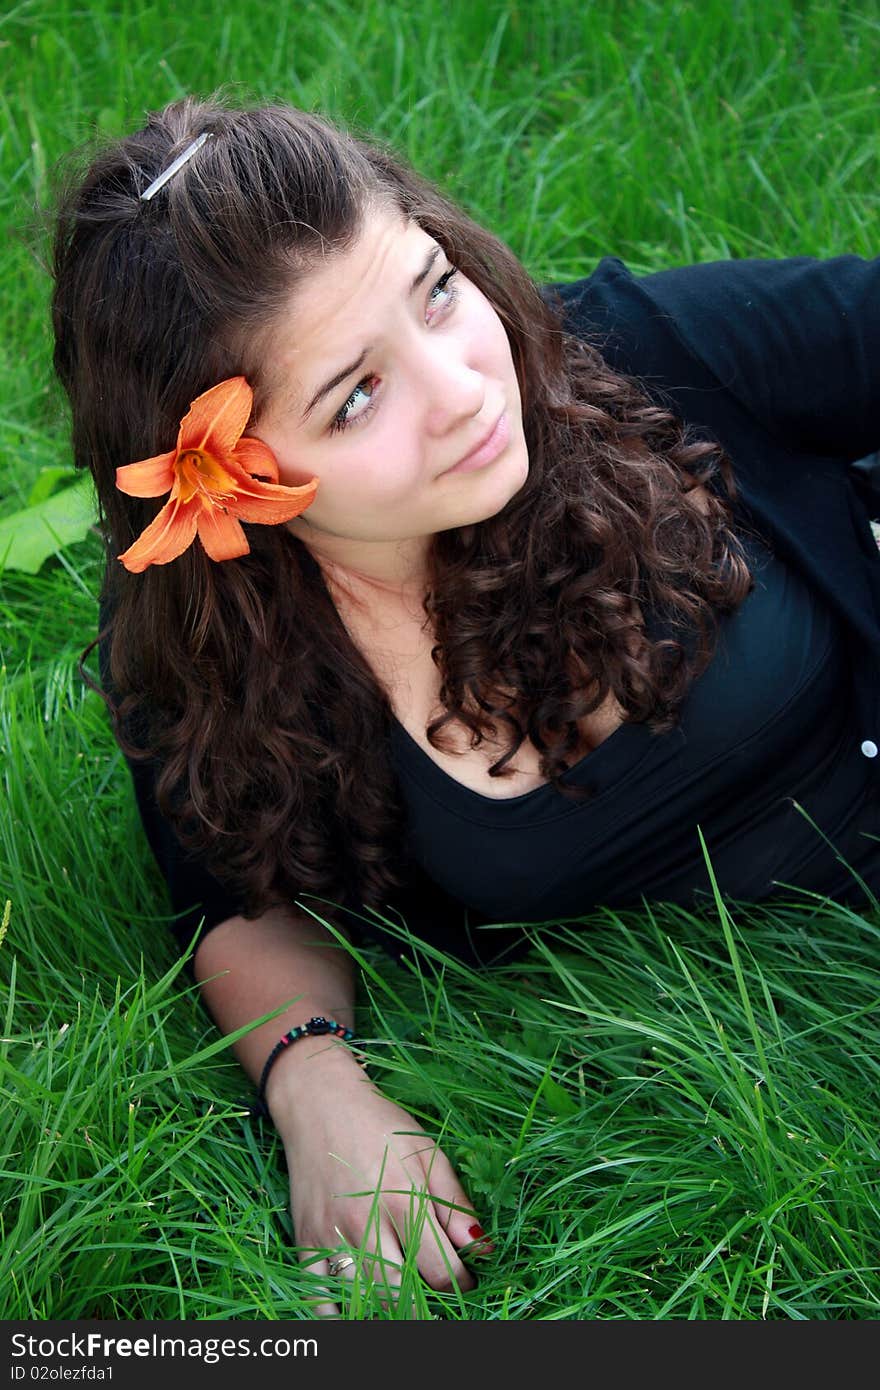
(766, 727)
(780, 362)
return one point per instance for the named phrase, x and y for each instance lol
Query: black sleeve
(796, 341)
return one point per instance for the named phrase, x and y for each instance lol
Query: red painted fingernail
(476, 1231)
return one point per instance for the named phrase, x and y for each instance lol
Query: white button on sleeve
(869, 748)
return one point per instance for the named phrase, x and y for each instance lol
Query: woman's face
(385, 371)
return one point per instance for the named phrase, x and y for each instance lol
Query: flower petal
(221, 535)
(270, 503)
(256, 457)
(216, 419)
(149, 478)
(166, 537)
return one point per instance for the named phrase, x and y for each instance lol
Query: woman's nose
(455, 390)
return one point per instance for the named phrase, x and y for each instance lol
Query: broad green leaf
(29, 537)
(48, 481)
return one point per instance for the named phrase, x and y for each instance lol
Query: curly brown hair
(269, 727)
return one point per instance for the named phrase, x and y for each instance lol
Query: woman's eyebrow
(355, 366)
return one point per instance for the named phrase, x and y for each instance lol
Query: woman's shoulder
(614, 290)
(590, 291)
(611, 309)
(794, 340)
(752, 297)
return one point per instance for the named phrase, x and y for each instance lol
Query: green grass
(657, 1116)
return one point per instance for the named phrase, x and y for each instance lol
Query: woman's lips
(490, 448)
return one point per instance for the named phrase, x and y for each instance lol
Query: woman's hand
(341, 1137)
(367, 1181)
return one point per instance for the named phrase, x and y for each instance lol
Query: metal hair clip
(172, 169)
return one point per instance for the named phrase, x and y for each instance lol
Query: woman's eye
(345, 417)
(444, 284)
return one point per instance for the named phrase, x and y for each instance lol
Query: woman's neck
(371, 574)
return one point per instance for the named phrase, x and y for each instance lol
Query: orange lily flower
(210, 476)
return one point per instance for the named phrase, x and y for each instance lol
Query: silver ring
(339, 1264)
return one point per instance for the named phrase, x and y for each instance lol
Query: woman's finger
(438, 1213)
(380, 1267)
(321, 1302)
(454, 1208)
(374, 1270)
(416, 1217)
(439, 1262)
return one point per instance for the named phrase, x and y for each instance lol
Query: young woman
(433, 591)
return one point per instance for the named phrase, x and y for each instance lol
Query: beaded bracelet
(315, 1028)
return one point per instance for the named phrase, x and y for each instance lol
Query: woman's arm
(796, 340)
(278, 956)
(343, 1140)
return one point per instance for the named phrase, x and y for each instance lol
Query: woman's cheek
(394, 463)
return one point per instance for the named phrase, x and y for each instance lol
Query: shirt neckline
(614, 757)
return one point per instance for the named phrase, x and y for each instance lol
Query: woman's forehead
(333, 314)
(385, 242)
